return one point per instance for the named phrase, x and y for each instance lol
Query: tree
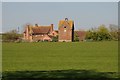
(114, 31)
(55, 38)
(103, 33)
(11, 36)
(98, 34)
(76, 39)
(89, 35)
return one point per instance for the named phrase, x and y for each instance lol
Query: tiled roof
(80, 33)
(41, 29)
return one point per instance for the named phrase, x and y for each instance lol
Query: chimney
(28, 25)
(52, 27)
(36, 25)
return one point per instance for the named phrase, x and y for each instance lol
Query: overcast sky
(84, 14)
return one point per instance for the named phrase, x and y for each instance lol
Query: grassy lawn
(98, 56)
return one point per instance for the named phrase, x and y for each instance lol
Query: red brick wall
(65, 36)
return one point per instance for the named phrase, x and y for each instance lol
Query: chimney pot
(36, 25)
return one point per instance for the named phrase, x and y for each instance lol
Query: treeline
(12, 36)
(98, 34)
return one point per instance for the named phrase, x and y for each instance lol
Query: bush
(11, 36)
(99, 34)
(55, 39)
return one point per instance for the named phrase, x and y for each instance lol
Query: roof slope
(41, 29)
(69, 22)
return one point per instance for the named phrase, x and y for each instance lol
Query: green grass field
(98, 56)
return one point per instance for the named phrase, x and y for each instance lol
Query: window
(65, 30)
(64, 26)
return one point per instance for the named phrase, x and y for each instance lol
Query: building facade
(66, 30)
(39, 33)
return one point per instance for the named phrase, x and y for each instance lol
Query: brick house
(66, 30)
(81, 35)
(39, 33)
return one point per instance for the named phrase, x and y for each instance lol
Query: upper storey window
(64, 26)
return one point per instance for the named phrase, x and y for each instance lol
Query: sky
(84, 14)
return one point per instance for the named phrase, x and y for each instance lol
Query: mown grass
(98, 56)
